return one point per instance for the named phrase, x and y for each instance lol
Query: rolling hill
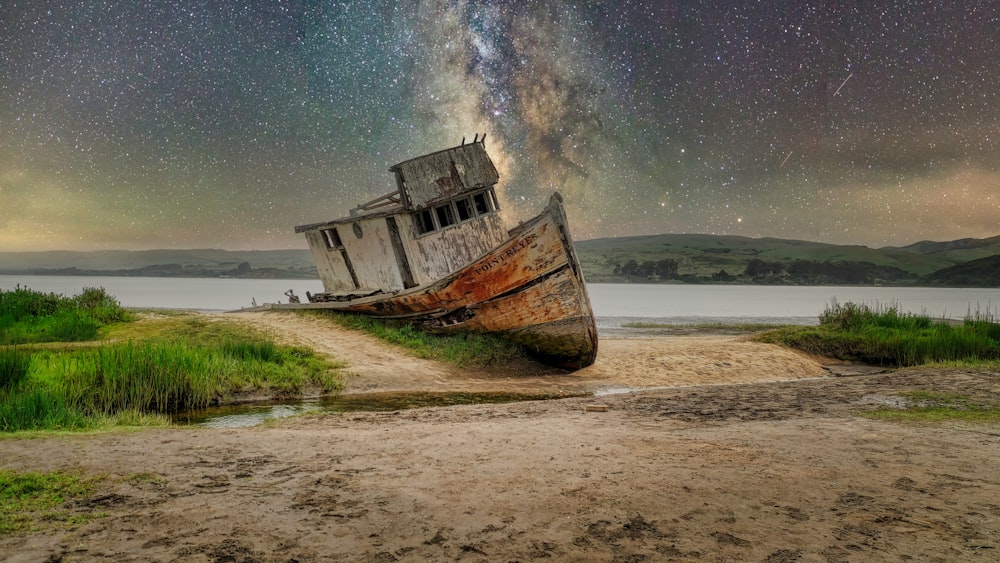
(705, 256)
(208, 262)
(983, 272)
(961, 250)
(681, 258)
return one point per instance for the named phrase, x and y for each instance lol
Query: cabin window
(445, 215)
(454, 212)
(482, 205)
(465, 209)
(424, 221)
(332, 239)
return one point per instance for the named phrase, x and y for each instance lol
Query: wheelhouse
(442, 215)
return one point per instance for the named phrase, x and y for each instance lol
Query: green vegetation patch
(175, 376)
(28, 316)
(882, 335)
(154, 367)
(83, 387)
(28, 499)
(931, 406)
(460, 349)
(40, 408)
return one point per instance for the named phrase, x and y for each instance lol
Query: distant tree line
(662, 269)
(769, 272)
(240, 270)
(814, 272)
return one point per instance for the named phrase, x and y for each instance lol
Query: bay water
(613, 304)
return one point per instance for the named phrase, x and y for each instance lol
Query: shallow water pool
(253, 414)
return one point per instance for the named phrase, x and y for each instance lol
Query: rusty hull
(528, 289)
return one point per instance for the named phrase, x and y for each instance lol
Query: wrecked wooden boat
(436, 252)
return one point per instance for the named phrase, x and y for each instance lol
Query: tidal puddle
(252, 414)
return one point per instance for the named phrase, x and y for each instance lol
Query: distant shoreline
(272, 274)
(261, 274)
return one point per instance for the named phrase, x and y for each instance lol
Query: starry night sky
(193, 124)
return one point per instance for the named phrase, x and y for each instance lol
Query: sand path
(644, 362)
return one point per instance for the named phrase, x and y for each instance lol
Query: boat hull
(528, 289)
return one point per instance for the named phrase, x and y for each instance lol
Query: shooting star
(786, 160)
(842, 84)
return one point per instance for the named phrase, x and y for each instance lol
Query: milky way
(225, 124)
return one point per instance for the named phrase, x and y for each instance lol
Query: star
(226, 124)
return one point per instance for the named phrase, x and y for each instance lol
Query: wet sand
(739, 453)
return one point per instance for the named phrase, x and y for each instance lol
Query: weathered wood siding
(446, 174)
(532, 253)
(376, 266)
(371, 255)
(329, 264)
(435, 255)
(546, 318)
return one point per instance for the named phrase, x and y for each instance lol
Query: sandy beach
(723, 450)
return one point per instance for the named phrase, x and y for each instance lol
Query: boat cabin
(442, 215)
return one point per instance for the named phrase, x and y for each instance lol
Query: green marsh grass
(880, 334)
(40, 409)
(460, 349)
(28, 499)
(147, 376)
(28, 316)
(251, 349)
(157, 366)
(169, 377)
(14, 363)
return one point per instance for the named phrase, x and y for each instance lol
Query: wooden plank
(445, 174)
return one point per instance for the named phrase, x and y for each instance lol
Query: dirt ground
(733, 451)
